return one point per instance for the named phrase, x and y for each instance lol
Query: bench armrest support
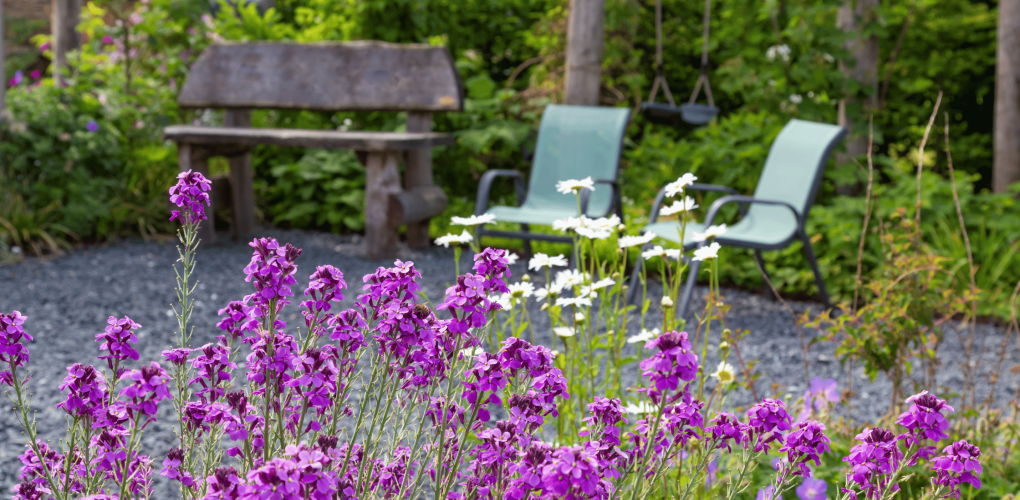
(738, 198)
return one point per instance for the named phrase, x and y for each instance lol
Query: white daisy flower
(707, 252)
(563, 331)
(711, 232)
(570, 278)
(472, 352)
(651, 253)
(677, 186)
(503, 300)
(567, 224)
(541, 294)
(725, 373)
(541, 260)
(593, 234)
(796, 98)
(603, 283)
(605, 223)
(643, 407)
(511, 258)
(522, 289)
(634, 241)
(463, 237)
(644, 336)
(575, 301)
(474, 220)
(679, 206)
(673, 253)
(571, 185)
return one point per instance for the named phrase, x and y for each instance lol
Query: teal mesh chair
(774, 216)
(574, 142)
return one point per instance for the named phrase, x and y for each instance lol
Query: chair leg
(809, 251)
(685, 297)
(765, 275)
(528, 250)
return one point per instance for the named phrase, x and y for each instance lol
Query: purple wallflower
(674, 362)
(12, 352)
(147, 387)
(766, 421)
(92, 126)
(726, 428)
(493, 264)
(172, 468)
(86, 391)
(271, 270)
(223, 484)
(177, 356)
(213, 367)
(958, 464)
(324, 286)
(117, 340)
(805, 443)
(570, 472)
(31, 490)
(236, 319)
(871, 461)
(924, 418)
(818, 396)
(812, 489)
(347, 327)
(189, 194)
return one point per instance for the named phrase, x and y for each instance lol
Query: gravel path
(68, 299)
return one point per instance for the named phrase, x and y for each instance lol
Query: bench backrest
(349, 76)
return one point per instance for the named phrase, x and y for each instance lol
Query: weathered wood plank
(382, 179)
(361, 75)
(418, 174)
(364, 141)
(412, 206)
(241, 180)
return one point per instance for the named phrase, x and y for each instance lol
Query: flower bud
(724, 349)
(526, 278)
(579, 318)
(727, 333)
(555, 353)
(666, 301)
(545, 307)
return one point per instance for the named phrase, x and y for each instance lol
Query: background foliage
(510, 55)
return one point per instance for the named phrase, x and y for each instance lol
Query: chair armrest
(738, 198)
(711, 187)
(485, 185)
(615, 202)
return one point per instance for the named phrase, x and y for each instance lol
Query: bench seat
(330, 139)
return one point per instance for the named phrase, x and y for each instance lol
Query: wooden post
(241, 179)
(382, 178)
(1006, 136)
(418, 174)
(187, 159)
(864, 69)
(585, 31)
(66, 15)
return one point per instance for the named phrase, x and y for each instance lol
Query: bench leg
(241, 180)
(243, 193)
(418, 173)
(381, 180)
(187, 160)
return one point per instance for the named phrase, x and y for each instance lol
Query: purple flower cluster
(271, 271)
(805, 443)
(818, 396)
(172, 468)
(675, 361)
(872, 460)
(86, 391)
(924, 420)
(189, 194)
(468, 301)
(236, 319)
(13, 353)
(766, 422)
(957, 465)
(726, 429)
(117, 339)
(213, 366)
(676, 427)
(325, 286)
(147, 387)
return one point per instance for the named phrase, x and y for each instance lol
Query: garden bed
(67, 301)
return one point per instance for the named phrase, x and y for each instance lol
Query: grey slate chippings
(67, 301)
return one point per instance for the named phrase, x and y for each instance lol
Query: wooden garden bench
(354, 76)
